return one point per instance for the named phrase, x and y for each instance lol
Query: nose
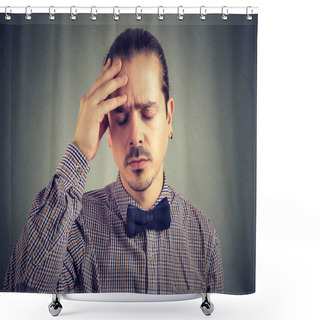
(136, 136)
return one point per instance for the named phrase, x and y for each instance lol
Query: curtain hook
(6, 14)
(138, 15)
(224, 13)
(116, 15)
(73, 13)
(52, 11)
(203, 13)
(28, 13)
(180, 13)
(93, 16)
(249, 15)
(160, 14)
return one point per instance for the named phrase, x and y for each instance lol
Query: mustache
(137, 152)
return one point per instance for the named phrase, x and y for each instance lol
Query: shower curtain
(48, 65)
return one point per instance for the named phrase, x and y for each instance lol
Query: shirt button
(63, 221)
(150, 259)
(78, 169)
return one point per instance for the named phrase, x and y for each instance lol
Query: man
(136, 234)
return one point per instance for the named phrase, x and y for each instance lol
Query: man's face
(138, 131)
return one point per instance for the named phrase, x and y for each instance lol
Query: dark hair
(134, 41)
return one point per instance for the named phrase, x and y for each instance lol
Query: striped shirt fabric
(76, 242)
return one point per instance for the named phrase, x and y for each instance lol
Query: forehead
(144, 77)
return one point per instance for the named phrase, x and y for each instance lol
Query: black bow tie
(139, 220)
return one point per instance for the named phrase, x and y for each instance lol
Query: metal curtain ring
(73, 13)
(203, 13)
(160, 13)
(138, 15)
(52, 11)
(28, 13)
(249, 15)
(116, 15)
(224, 13)
(7, 10)
(180, 13)
(93, 16)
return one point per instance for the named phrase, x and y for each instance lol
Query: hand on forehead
(144, 80)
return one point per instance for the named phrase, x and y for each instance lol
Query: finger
(106, 89)
(111, 104)
(107, 74)
(106, 67)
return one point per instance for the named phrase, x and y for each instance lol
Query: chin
(140, 186)
(139, 183)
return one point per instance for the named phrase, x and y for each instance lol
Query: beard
(140, 184)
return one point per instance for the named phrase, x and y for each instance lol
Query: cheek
(117, 154)
(115, 142)
(115, 132)
(158, 138)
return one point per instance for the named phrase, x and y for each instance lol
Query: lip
(138, 164)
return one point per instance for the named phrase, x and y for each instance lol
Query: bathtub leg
(206, 306)
(55, 306)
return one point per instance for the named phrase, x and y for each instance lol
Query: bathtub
(55, 306)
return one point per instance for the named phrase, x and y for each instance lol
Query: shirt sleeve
(37, 259)
(215, 267)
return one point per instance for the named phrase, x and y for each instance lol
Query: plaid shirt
(75, 242)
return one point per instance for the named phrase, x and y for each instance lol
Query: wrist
(83, 150)
(73, 168)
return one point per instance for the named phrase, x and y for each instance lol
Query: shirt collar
(123, 199)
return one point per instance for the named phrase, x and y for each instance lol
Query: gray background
(46, 67)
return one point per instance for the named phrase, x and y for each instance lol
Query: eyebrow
(148, 105)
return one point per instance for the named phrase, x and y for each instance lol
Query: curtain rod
(128, 10)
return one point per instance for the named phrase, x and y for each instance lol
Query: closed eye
(122, 118)
(148, 114)
(149, 110)
(120, 115)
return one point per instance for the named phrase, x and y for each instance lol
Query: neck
(147, 198)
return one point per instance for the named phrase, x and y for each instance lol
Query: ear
(108, 137)
(170, 110)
